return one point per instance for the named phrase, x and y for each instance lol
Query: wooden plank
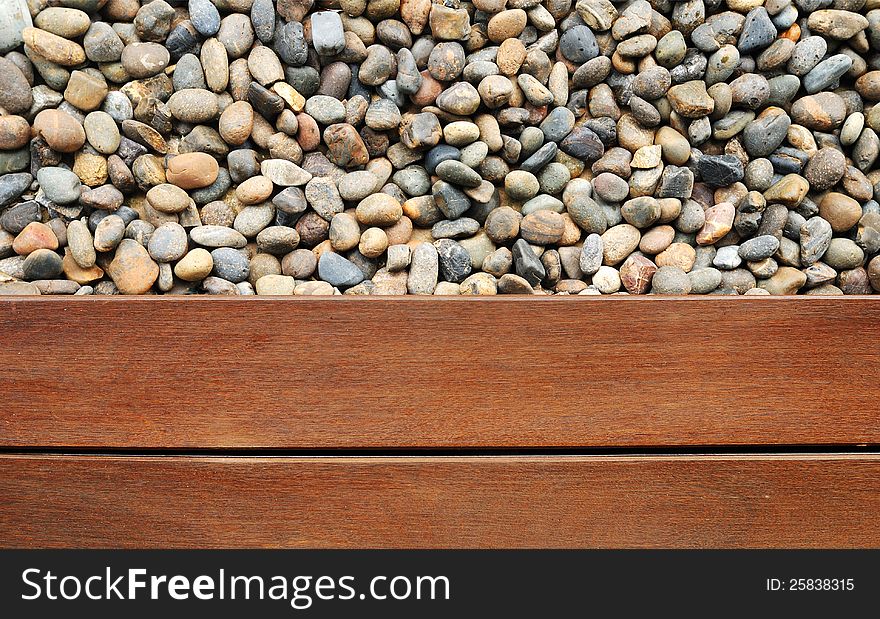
(173, 373)
(454, 502)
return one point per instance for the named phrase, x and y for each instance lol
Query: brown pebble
(192, 170)
(61, 131)
(15, 132)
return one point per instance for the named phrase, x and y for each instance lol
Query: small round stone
(60, 130)
(192, 170)
(379, 209)
(521, 185)
(60, 185)
(142, 60)
(230, 264)
(168, 243)
(840, 210)
(167, 198)
(670, 280)
(196, 265)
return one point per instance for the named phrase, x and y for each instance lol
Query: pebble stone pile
(317, 147)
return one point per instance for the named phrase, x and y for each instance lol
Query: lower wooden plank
(450, 502)
(372, 373)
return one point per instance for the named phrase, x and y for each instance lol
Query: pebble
(192, 170)
(35, 236)
(54, 48)
(109, 233)
(81, 244)
(42, 264)
(836, 24)
(759, 248)
(526, 263)
(827, 73)
(142, 60)
(60, 185)
(16, 96)
(720, 170)
(825, 168)
(691, 99)
(814, 237)
(168, 243)
(670, 280)
(704, 280)
(230, 264)
(61, 131)
(786, 280)
(578, 44)
(719, 221)
(196, 265)
(132, 269)
(338, 271)
(205, 17)
(618, 242)
(758, 31)
(328, 36)
(424, 270)
(636, 274)
(727, 258)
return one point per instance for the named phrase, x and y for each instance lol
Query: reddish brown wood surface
(597, 501)
(444, 373)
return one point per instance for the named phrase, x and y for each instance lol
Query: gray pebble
(759, 248)
(230, 264)
(168, 243)
(60, 185)
(338, 271)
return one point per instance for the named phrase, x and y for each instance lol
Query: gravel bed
(390, 147)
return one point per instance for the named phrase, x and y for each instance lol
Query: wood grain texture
(174, 373)
(456, 502)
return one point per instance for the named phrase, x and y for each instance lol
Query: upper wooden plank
(181, 373)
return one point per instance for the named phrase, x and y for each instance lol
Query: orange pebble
(793, 33)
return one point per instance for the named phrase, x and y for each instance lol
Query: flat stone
(720, 170)
(759, 248)
(217, 236)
